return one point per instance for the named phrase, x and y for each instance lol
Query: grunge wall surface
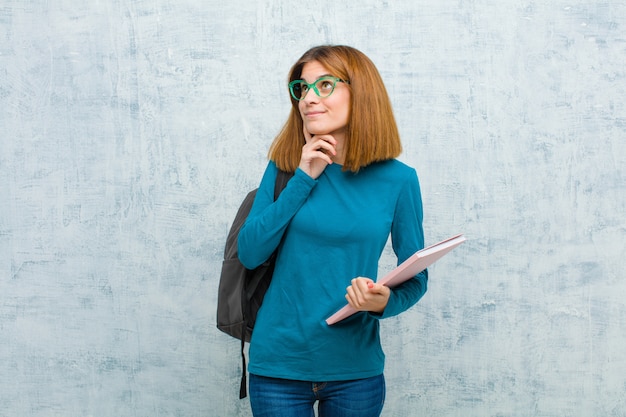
(131, 130)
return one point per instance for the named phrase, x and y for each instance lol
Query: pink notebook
(415, 264)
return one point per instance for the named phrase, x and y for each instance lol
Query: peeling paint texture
(131, 130)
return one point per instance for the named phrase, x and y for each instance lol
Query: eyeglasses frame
(311, 86)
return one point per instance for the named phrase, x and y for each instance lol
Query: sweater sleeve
(407, 237)
(265, 225)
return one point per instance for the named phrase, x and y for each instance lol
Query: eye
(325, 85)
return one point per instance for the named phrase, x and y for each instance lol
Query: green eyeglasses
(323, 87)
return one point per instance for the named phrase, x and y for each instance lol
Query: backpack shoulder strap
(282, 178)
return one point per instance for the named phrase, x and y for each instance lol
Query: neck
(339, 158)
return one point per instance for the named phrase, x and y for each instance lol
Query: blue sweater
(333, 229)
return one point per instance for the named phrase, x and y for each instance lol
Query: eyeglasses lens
(325, 87)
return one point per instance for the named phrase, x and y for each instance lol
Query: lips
(312, 114)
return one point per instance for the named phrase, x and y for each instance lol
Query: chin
(320, 131)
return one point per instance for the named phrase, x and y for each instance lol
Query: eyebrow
(321, 76)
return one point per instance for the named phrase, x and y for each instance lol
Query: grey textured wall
(130, 130)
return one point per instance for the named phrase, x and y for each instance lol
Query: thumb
(379, 290)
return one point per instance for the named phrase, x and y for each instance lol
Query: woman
(330, 225)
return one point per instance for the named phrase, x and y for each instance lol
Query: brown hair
(372, 134)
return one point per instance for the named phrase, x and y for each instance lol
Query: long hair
(371, 134)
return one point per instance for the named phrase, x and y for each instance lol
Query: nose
(310, 96)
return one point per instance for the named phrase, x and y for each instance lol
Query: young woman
(330, 225)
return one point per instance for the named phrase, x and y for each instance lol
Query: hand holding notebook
(415, 264)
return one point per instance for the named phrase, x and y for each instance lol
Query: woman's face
(324, 116)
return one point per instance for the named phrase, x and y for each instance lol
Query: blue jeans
(271, 397)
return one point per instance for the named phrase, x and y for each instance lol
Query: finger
(375, 288)
(320, 146)
(328, 139)
(351, 298)
(326, 147)
(360, 290)
(317, 154)
(356, 293)
(320, 143)
(363, 283)
(380, 292)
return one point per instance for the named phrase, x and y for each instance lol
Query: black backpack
(241, 290)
